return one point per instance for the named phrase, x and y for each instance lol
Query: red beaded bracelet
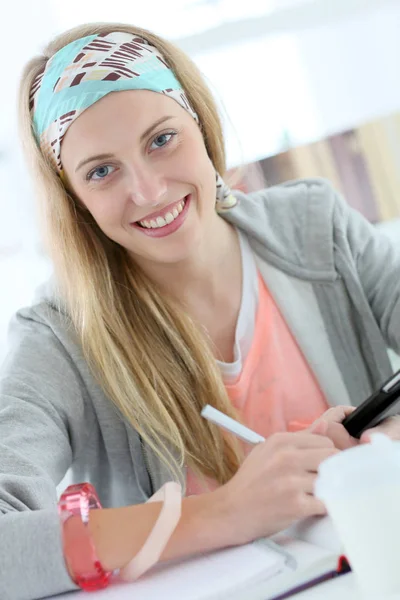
(79, 551)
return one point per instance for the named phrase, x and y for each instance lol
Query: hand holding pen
(291, 462)
(273, 488)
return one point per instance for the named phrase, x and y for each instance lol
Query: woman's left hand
(330, 425)
(390, 427)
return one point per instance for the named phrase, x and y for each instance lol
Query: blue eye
(100, 172)
(163, 139)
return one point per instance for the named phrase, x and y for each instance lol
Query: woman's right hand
(274, 486)
(272, 489)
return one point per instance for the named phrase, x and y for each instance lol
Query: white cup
(360, 488)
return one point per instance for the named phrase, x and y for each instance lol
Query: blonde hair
(147, 354)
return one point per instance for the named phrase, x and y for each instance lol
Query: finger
(299, 440)
(390, 427)
(366, 435)
(347, 410)
(313, 506)
(306, 439)
(340, 437)
(319, 427)
(310, 460)
(307, 482)
(337, 414)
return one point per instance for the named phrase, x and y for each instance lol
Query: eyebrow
(148, 131)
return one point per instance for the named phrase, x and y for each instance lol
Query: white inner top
(247, 314)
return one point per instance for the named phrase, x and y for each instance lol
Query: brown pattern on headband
(35, 88)
(162, 61)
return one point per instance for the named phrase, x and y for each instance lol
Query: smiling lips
(166, 221)
(163, 217)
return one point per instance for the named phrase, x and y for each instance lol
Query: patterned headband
(88, 69)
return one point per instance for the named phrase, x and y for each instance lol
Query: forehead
(119, 112)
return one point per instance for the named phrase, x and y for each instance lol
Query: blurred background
(305, 87)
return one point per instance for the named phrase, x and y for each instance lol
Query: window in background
(264, 95)
(176, 18)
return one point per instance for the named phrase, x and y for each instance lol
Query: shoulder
(45, 313)
(297, 191)
(289, 203)
(297, 222)
(41, 331)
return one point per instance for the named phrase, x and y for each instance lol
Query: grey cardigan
(336, 280)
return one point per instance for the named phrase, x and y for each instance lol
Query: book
(314, 565)
(315, 545)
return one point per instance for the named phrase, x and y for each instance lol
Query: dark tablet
(377, 407)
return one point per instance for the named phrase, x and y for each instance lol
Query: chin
(172, 258)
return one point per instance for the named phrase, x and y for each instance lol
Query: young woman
(171, 292)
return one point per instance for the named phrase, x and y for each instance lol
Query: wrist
(205, 525)
(234, 517)
(224, 509)
(119, 533)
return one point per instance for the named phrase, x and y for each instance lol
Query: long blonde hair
(147, 354)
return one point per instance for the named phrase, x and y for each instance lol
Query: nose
(147, 188)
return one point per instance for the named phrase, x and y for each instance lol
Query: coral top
(276, 390)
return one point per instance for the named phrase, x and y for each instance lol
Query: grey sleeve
(377, 261)
(43, 419)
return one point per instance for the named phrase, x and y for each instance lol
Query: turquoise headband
(88, 69)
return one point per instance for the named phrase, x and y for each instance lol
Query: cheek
(193, 164)
(105, 209)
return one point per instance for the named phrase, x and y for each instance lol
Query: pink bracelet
(79, 550)
(150, 552)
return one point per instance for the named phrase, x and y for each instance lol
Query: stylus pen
(218, 418)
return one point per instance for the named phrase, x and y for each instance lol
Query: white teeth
(162, 221)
